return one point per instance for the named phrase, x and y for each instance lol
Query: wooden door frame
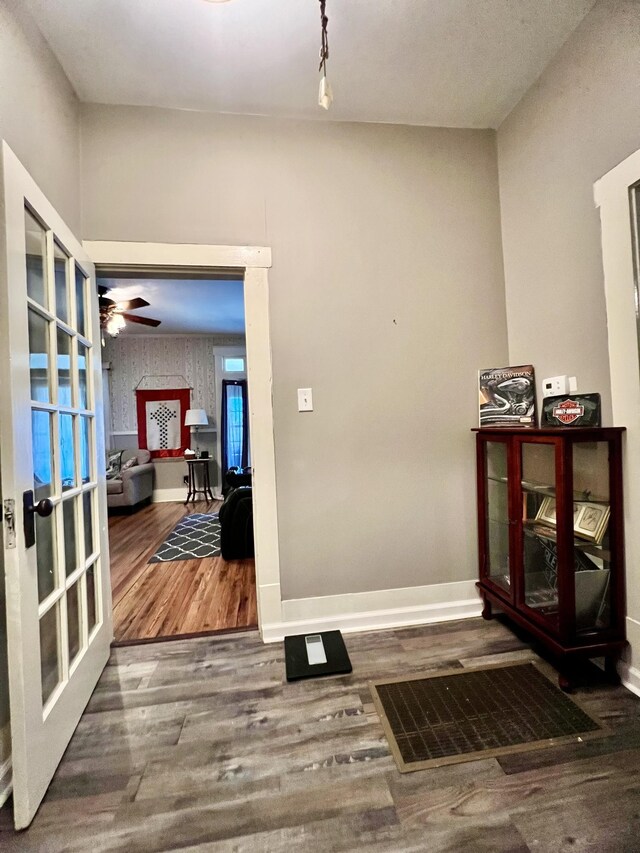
(253, 263)
(612, 196)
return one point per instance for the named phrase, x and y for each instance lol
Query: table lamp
(196, 418)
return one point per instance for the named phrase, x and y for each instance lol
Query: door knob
(43, 508)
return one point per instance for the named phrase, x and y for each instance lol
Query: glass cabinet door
(593, 559)
(497, 514)
(539, 532)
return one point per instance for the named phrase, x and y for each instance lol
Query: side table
(206, 484)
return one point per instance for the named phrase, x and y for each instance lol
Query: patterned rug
(193, 538)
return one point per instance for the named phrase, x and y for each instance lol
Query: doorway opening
(178, 442)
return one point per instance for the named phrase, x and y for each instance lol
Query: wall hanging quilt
(161, 415)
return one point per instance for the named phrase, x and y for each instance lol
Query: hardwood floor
(185, 597)
(201, 745)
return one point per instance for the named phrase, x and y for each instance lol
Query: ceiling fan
(115, 315)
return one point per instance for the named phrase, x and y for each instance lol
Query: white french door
(54, 506)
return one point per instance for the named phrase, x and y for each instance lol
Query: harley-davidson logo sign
(568, 412)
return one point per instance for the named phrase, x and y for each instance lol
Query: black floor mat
(462, 715)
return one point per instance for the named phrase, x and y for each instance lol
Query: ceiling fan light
(115, 324)
(325, 95)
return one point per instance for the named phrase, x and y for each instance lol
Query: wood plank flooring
(201, 745)
(159, 600)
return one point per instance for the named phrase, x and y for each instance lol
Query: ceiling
(184, 307)
(449, 63)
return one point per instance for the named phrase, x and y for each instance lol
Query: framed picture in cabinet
(592, 520)
(547, 512)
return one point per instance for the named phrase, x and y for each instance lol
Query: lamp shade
(196, 417)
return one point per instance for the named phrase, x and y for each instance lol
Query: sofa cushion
(114, 461)
(143, 456)
(130, 463)
(114, 487)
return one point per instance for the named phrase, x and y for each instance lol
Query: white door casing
(613, 196)
(79, 602)
(254, 264)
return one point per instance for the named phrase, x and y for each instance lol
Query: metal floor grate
(463, 715)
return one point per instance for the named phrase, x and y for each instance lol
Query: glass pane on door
(539, 533)
(43, 487)
(60, 263)
(81, 308)
(50, 662)
(35, 239)
(70, 536)
(83, 364)
(74, 625)
(64, 368)
(46, 555)
(85, 449)
(41, 432)
(67, 454)
(497, 521)
(591, 540)
(91, 598)
(87, 505)
(39, 357)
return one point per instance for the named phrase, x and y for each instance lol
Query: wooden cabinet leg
(564, 682)
(487, 612)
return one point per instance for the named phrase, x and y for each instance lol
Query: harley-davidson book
(507, 396)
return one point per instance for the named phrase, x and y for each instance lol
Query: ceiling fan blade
(144, 321)
(132, 304)
(105, 303)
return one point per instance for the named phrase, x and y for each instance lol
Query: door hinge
(9, 512)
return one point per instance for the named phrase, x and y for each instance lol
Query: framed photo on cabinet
(592, 520)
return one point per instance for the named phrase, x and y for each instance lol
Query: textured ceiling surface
(449, 63)
(183, 306)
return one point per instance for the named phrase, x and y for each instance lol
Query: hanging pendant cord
(324, 50)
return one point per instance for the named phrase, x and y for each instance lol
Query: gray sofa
(134, 485)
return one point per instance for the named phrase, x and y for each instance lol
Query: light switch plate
(305, 400)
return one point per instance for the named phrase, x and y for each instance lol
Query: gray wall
(39, 120)
(39, 111)
(386, 297)
(576, 123)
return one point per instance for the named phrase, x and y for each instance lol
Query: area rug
(467, 714)
(193, 538)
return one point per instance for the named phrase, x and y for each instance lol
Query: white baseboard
(5, 781)
(372, 611)
(627, 667)
(630, 677)
(166, 495)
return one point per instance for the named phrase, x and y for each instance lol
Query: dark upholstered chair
(235, 477)
(236, 524)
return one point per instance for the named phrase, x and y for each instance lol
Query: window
(233, 365)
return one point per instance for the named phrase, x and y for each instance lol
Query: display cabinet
(551, 542)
